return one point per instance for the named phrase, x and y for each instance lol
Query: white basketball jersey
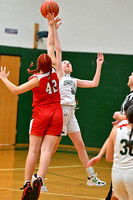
(68, 87)
(123, 156)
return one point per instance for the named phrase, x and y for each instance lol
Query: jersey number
(125, 148)
(54, 87)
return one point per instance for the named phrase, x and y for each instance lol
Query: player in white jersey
(68, 86)
(119, 116)
(120, 152)
(97, 158)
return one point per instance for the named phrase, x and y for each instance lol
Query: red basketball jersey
(47, 92)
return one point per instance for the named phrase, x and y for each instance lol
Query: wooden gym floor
(66, 177)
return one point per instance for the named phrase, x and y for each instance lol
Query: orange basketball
(49, 6)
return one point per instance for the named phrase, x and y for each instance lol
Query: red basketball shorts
(46, 120)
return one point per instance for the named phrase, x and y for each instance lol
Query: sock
(90, 171)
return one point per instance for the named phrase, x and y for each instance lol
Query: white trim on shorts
(31, 122)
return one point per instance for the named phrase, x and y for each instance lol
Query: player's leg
(56, 145)
(46, 151)
(34, 149)
(76, 138)
(52, 134)
(83, 156)
(75, 135)
(66, 116)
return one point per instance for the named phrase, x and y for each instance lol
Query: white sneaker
(94, 181)
(43, 187)
(34, 177)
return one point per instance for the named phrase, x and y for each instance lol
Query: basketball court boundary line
(54, 167)
(55, 194)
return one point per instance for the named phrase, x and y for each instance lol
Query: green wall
(97, 105)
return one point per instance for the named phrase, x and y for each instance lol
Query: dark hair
(127, 104)
(129, 115)
(44, 63)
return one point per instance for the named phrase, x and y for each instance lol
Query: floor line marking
(55, 194)
(54, 167)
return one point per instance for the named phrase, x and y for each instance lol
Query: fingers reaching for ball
(50, 18)
(57, 22)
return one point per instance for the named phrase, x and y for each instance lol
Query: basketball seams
(56, 8)
(49, 6)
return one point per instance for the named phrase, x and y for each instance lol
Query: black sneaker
(34, 195)
(27, 190)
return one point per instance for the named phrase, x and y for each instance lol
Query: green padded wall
(97, 105)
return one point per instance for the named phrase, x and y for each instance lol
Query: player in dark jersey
(47, 119)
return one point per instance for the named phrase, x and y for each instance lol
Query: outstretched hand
(50, 18)
(3, 73)
(93, 161)
(57, 22)
(100, 58)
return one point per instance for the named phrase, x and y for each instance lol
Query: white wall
(87, 25)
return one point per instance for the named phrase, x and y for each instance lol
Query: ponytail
(44, 63)
(32, 71)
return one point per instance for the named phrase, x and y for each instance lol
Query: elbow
(58, 49)
(109, 159)
(95, 84)
(15, 92)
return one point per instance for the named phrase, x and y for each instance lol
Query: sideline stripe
(54, 167)
(74, 196)
(56, 194)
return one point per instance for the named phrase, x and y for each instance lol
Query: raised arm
(17, 89)
(96, 79)
(51, 39)
(58, 49)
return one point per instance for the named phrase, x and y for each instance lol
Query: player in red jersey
(47, 119)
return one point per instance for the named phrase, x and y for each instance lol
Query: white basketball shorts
(122, 180)
(70, 123)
